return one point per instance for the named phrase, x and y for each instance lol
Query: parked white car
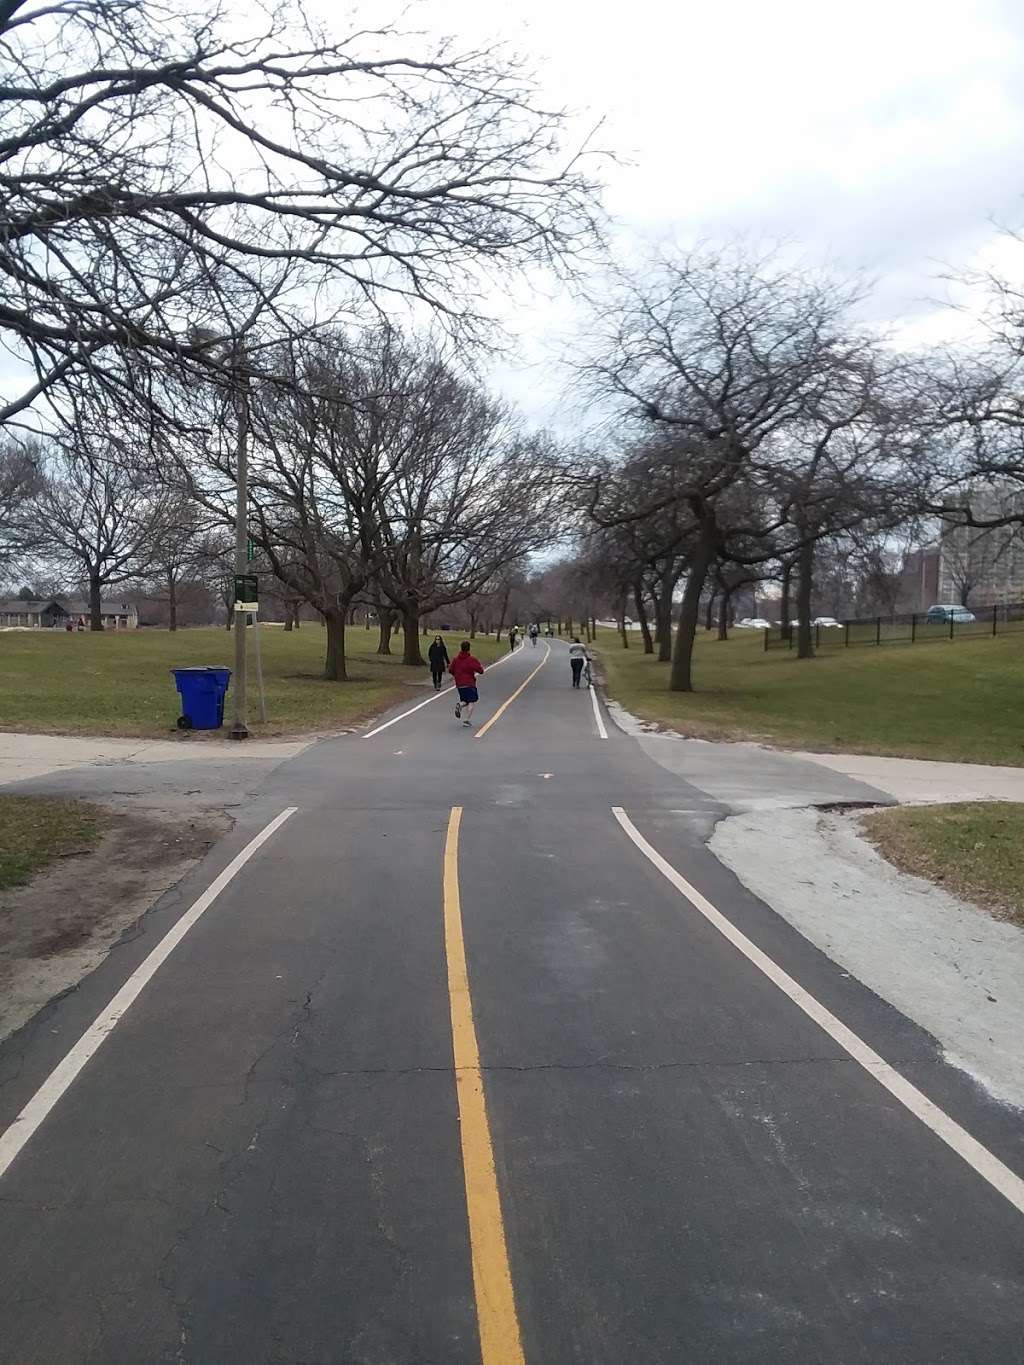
(829, 621)
(753, 623)
(949, 611)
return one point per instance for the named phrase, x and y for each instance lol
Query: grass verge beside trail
(959, 701)
(37, 830)
(972, 848)
(119, 683)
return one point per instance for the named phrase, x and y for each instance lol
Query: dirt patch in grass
(61, 922)
(38, 830)
(972, 848)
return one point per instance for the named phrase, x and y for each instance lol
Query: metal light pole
(239, 729)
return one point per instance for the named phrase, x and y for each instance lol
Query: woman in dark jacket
(439, 661)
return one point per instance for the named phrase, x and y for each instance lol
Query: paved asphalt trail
(264, 1161)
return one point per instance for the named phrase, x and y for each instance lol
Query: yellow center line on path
(500, 1342)
(506, 704)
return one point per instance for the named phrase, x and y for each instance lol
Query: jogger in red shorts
(465, 669)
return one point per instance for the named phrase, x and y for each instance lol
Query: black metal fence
(907, 628)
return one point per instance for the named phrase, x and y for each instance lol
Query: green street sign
(250, 551)
(246, 592)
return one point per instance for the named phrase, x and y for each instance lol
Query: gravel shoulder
(946, 964)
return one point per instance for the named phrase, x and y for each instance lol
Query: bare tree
(721, 351)
(177, 546)
(20, 479)
(100, 518)
(163, 166)
(470, 494)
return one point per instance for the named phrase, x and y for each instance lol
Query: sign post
(247, 601)
(246, 592)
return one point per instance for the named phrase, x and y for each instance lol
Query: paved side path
(24, 757)
(676, 1131)
(921, 780)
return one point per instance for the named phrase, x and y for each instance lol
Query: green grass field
(36, 830)
(972, 848)
(960, 701)
(119, 683)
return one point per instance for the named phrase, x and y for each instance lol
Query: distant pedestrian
(439, 661)
(465, 669)
(578, 656)
(512, 638)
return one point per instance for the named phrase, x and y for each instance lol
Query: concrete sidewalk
(745, 776)
(919, 780)
(23, 757)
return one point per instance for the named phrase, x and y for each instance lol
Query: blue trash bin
(202, 693)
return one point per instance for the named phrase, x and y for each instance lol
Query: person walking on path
(512, 639)
(578, 656)
(465, 669)
(439, 661)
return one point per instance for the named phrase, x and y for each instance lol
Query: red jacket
(464, 669)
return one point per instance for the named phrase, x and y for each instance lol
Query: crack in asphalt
(513, 1067)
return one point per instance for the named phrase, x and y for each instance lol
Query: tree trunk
(95, 605)
(663, 608)
(709, 614)
(784, 607)
(334, 664)
(472, 625)
(172, 602)
(622, 620)
(804, 587)
(387, 625)
(641, 616)
(504, 610)
(681, 679)
(723, 616)
(287, 616)
(411, 631)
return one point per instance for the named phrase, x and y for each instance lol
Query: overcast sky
(881, 134)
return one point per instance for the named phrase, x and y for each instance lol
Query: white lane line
(65, 1072)
(437, 695)
(988, 1166)
(602, 733)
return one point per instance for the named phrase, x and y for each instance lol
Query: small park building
(55, 612)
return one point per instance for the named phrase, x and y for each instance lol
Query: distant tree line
(219, 237)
